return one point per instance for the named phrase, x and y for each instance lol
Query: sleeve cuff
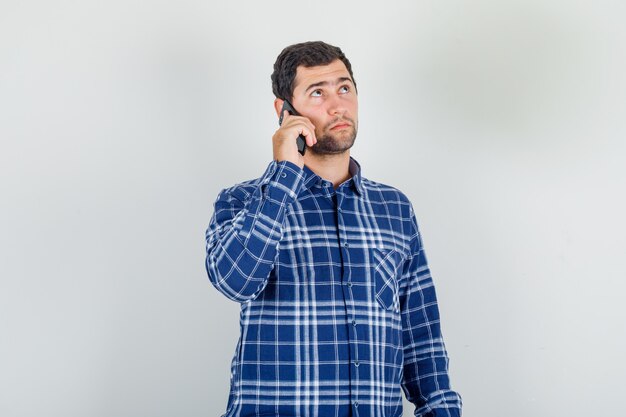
(282, 179)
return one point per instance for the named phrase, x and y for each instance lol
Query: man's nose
(336, 105)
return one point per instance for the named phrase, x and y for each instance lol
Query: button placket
(343, 235)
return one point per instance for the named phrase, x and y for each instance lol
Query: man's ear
(278, 105)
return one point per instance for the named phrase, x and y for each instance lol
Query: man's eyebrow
(325, 83)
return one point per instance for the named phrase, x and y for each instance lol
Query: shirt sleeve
(245, 229)
(425, 378)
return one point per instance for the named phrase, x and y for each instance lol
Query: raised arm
(245, 229)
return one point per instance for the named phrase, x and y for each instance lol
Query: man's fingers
(309, 136)
(304, 127)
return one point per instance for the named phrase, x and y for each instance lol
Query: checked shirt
(338, 309)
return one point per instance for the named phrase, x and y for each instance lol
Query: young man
(338, 308)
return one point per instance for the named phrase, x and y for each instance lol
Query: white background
(120, 121)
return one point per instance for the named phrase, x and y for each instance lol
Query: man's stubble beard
(332, 143)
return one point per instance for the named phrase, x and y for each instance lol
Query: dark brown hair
(307, 54)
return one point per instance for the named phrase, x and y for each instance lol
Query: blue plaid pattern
(338, 307)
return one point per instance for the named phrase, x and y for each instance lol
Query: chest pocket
(387, 270)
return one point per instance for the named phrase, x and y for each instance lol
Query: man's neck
(333, 168)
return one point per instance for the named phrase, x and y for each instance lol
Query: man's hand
(284, 140)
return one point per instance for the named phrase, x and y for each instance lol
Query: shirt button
(345, 245)
(349, 284)
(356, 403)
(284, 175)
(354, 323)
(356, 364)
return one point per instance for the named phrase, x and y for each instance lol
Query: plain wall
(120, 121)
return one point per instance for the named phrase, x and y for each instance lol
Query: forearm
(425, 374)
(243, 236)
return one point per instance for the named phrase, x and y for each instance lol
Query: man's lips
(340, 125)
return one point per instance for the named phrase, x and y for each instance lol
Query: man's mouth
(341, 125)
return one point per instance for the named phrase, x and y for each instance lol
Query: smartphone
(301, 142)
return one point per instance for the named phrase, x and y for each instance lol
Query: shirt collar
(311, 179)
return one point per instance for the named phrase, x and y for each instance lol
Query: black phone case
(300, 141)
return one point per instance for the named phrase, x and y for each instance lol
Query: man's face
(326, 95)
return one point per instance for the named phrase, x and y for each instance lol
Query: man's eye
(316, 93)
(344, 89)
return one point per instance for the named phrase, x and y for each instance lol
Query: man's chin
(333, 143)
